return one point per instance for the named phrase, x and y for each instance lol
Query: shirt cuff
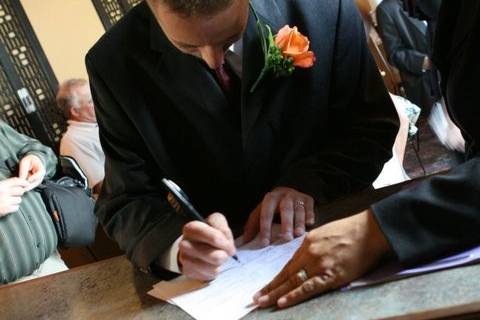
(169, 260)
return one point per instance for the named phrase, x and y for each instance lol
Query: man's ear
(74, 113)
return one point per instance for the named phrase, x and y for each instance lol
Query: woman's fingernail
(282, 301)
(262, 300)
(256, 296)
(265, 242)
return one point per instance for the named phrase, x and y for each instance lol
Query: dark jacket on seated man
(27, 236)
(443, 214)
(324, 131)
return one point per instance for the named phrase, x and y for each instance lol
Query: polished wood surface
(103, 248)
(112, 289)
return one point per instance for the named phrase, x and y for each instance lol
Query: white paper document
(229, 296)
(394, 271)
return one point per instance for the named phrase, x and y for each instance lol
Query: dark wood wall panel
(15, 116)
(28, 84)
(110, 11)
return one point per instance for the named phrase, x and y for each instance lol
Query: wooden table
(112, 289)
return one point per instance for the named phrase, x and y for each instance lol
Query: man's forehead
(82, 89)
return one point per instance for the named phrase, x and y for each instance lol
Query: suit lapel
(253, 63)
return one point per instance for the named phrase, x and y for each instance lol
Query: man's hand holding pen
(205, 247)
(208, 243)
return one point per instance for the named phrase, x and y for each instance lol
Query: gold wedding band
(302, 275)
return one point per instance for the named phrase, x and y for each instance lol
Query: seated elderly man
(81, 141)
(28, 239)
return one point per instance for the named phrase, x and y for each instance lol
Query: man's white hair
(67, 97)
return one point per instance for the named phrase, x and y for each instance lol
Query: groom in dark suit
(173, 100)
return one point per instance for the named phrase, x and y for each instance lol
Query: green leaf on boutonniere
(274, 61)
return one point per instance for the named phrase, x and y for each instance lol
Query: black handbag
(69, 202)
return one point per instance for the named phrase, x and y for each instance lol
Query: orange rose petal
(298, 42)
(295, 45)
(305, 60)
(282, 37)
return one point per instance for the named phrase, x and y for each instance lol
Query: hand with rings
(330, 257)
(296, 212)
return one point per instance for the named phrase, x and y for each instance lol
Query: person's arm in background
(24, 147)
(405, 59)
(35, 161)
(437, 217)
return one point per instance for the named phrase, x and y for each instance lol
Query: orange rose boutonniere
(295, 45)
(283, 52)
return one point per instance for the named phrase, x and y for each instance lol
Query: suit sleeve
(406, 60)
(439, 216)
(132, 206)
(363, 122)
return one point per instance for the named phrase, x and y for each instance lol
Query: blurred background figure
(408, 46)
(437, 144)
(408, 41)
(81, 141)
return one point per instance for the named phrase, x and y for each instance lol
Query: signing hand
(205, 247)
(11, 192)
(295, 209)
(330, 257)
(32, 170)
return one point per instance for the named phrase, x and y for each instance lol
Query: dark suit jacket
(325, 131)
(443, 214)
(407, 43)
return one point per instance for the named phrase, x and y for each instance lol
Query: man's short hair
(66, 97)
(197, 7)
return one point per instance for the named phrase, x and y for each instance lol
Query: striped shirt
(27, 237)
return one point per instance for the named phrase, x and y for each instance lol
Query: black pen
(183, 200)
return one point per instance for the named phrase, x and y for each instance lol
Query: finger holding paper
(205, 247)
(330, 257)
(31, 169)
(11, 192)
